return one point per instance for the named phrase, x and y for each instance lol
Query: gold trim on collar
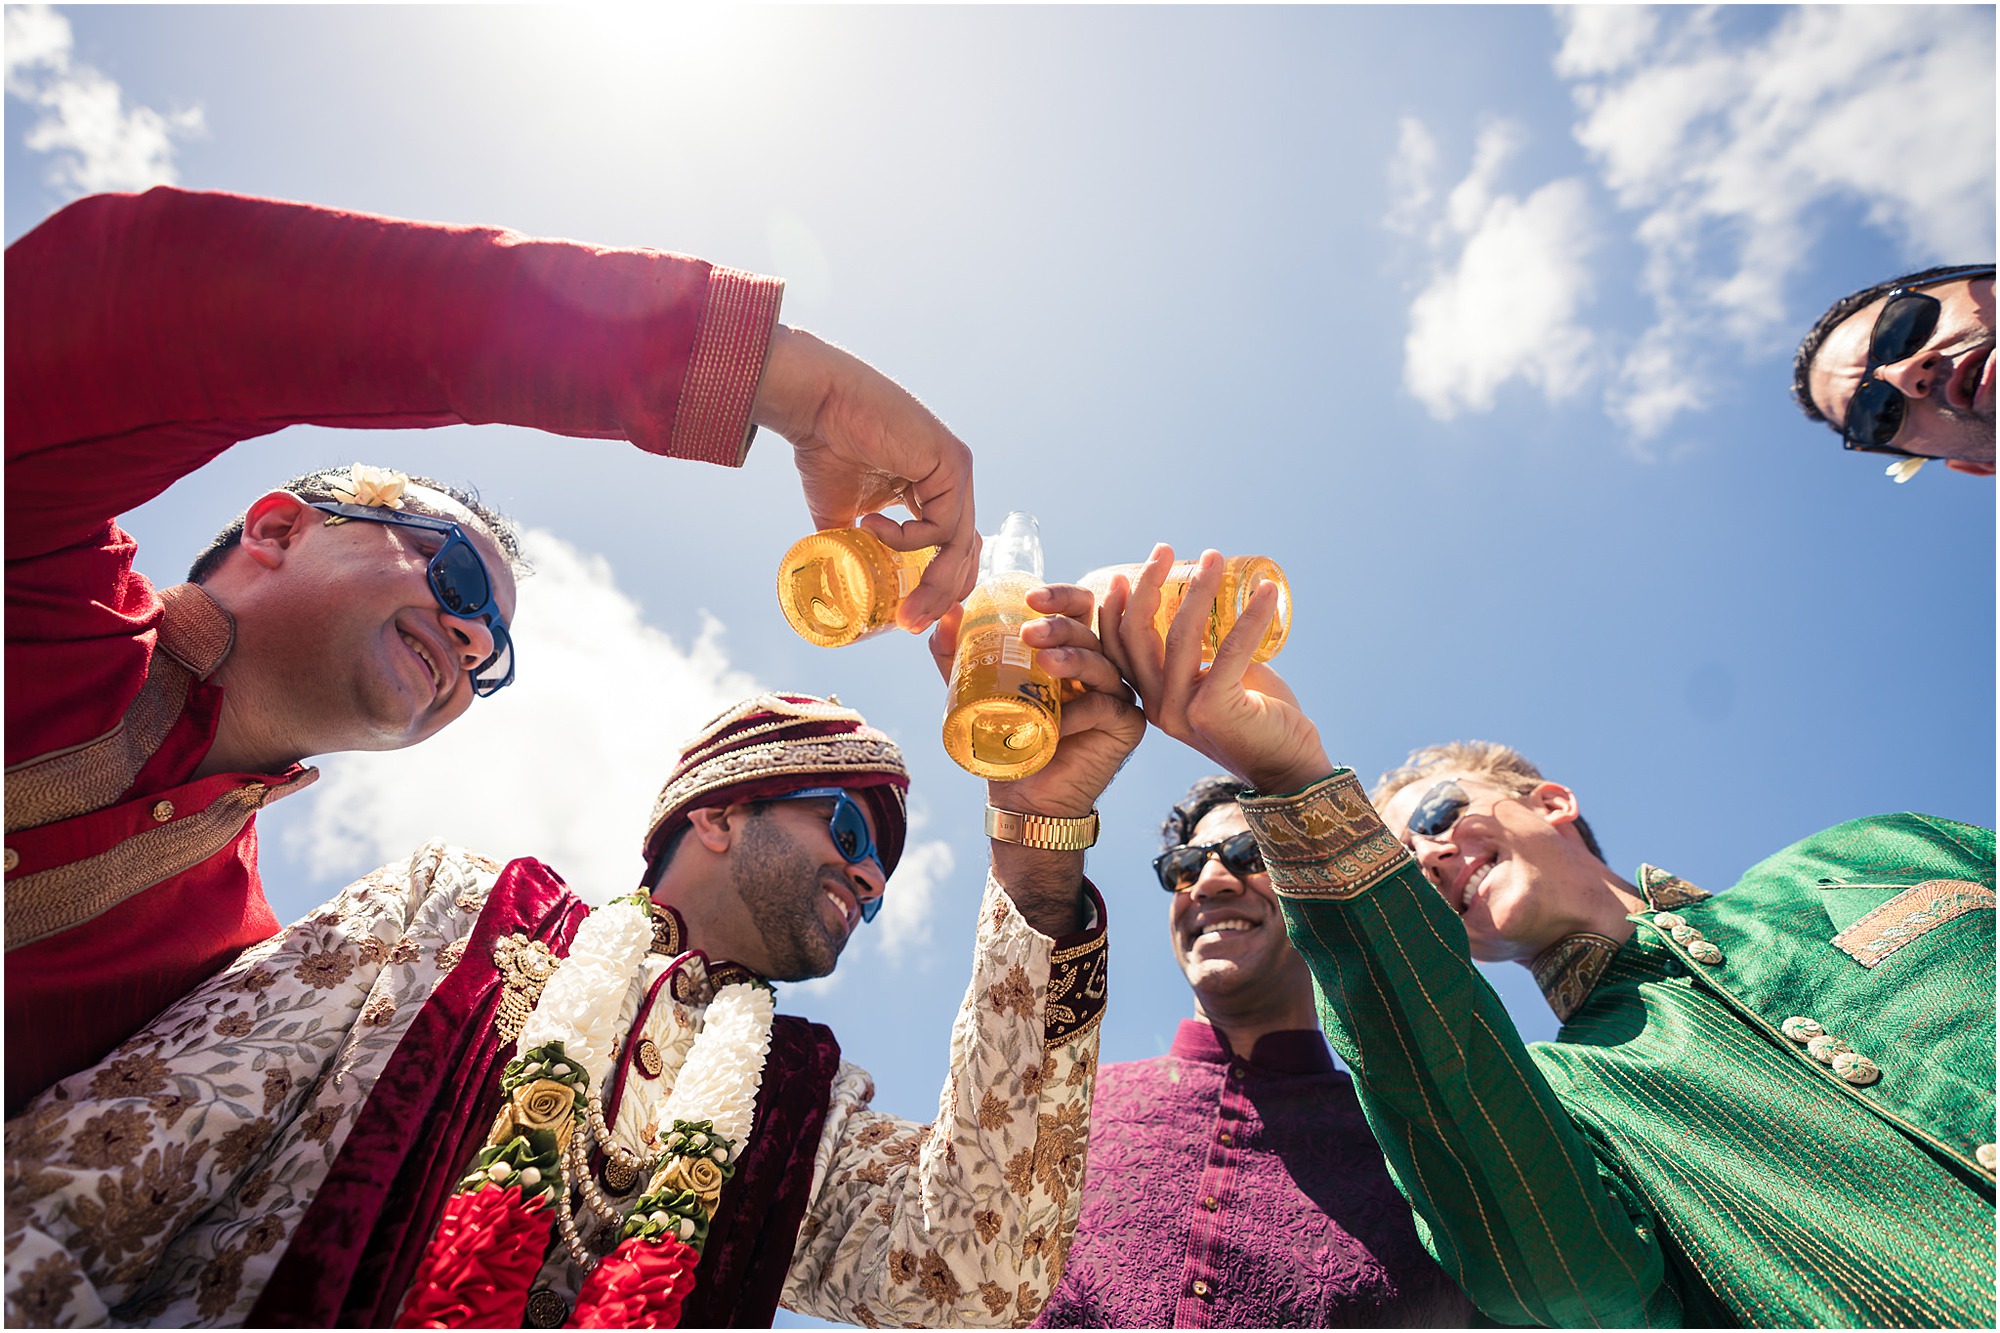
(1663, 891)
(1568, 970)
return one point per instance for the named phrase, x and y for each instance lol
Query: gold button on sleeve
(162, 811)
(11, 859)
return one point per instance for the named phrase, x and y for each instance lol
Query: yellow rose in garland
(547, 1105)
(697, 1175)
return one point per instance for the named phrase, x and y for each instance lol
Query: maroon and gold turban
(771, 744)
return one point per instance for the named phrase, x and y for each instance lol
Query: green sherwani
(1774, 1106)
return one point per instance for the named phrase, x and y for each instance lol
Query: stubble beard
(779, 883)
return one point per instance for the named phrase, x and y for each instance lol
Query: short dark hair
(1204, 796)
(1835, 315)
(318, 485)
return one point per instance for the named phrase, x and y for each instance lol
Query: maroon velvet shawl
(749, 1246)
(359, 1243)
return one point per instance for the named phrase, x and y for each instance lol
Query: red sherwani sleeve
(147, 333)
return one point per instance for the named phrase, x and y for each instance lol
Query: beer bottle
(844, 585)
(1003, 713)
(1240, 576)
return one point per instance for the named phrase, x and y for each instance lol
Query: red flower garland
(478, 1267)
(641, 1284)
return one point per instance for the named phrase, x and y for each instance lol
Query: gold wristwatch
(1048, 833)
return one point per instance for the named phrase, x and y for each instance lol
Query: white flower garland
(725, 1066)
(581, 1003)
(716, 1070)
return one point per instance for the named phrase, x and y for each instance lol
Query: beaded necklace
(483, 1259)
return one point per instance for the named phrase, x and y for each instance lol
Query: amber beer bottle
(843, 585)
(1002, 713)
(1240, 576)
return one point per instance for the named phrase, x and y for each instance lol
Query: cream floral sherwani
(162, 1186)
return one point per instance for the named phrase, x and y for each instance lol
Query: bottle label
(1014, 653)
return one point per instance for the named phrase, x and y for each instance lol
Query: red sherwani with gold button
(147, 333)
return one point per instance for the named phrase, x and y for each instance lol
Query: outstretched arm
(148, 333)
(1508, 1192)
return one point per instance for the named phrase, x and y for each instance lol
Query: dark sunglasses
(1179, 867)
(458, 580)
(1439, 809)
(1907, 320)
(851, 838)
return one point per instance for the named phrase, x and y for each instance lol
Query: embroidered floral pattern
(908, 1225)
(920, 1225)
(160, 1186)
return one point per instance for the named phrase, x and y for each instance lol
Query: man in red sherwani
(147, 333)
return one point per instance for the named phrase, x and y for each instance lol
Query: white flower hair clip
(371, 487)
(1904, 468)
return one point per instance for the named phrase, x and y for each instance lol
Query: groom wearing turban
(450, 1097)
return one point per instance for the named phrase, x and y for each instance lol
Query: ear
(1970, 469)
(1557, 803)
(712, 827)
(273, 524)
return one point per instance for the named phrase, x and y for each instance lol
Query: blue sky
(1478, 320)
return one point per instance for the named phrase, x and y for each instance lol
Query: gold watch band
(1047, 833)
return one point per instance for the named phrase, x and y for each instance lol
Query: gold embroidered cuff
(1325, 842)
(1077, 988)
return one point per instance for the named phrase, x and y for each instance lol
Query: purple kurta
(1234, 1193)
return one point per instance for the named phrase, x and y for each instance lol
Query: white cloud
(1412, 172)
(1729, 156)
(1734, 154)
(563, 765)
(36, 36)
(902, 929)
(1599, 39)
(1510, 280)
(99, 144)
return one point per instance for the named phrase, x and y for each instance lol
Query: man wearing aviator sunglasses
(1772, 1106)
(147, 333)
(1233, 1181)
(1904, 368)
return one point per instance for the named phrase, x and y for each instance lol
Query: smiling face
(802, 895)
(1948, 382)
(1228, 933)
(1512, 867)
(375, 655)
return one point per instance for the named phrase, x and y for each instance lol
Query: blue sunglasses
(458, 580)
(849, 828)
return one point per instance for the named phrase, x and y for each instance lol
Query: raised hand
(1101, 725)
(1239, 713)
(863, 443)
